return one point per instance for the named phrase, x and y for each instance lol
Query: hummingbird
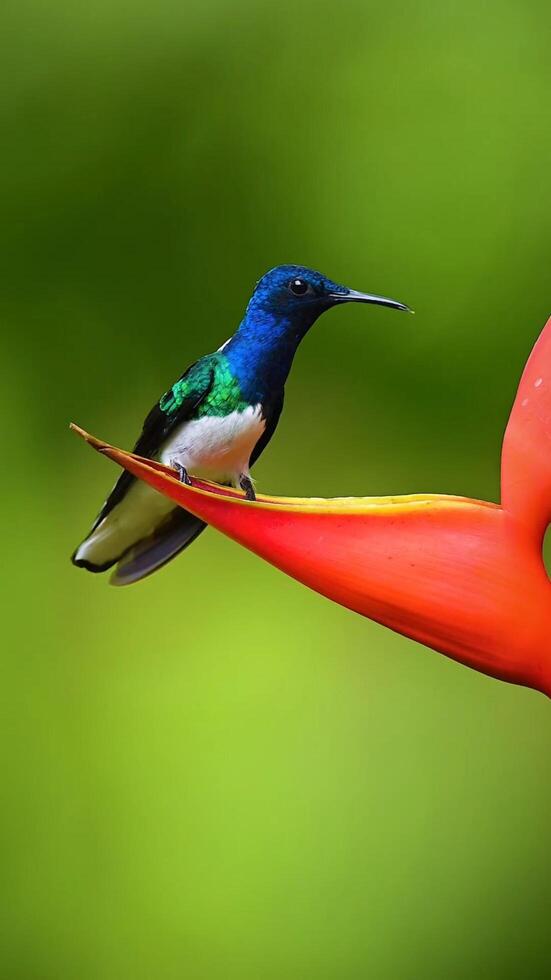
(214, 422)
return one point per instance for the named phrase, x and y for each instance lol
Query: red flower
(466, 577)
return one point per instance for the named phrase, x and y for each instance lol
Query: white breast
(216, 448)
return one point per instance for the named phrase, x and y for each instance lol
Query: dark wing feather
(180, 401)
(271, 415)
(149, 554)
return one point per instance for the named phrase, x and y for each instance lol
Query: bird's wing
(272, 418)
(176, 406)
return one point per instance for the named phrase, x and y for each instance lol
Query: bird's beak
(353, 296)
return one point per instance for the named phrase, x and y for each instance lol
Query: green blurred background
(217, 773)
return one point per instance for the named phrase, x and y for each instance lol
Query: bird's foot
(183, 474)
(246, 485)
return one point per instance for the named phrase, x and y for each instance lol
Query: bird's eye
(299, 287)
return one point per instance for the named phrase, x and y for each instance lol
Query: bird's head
(299, 293)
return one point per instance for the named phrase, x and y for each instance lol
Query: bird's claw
(247, 486)
(183, 474)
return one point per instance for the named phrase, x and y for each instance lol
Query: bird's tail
(149, 554)
(144, 556)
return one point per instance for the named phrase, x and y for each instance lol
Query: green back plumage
(212, 372)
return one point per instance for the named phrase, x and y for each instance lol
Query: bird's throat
(261, 352)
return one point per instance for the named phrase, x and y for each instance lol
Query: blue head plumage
(299, 295)
(286, 302)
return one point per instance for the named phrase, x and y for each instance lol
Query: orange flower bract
(465, 577)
